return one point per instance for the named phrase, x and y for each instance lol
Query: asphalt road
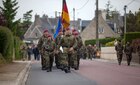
(91, 72)
(56, 77)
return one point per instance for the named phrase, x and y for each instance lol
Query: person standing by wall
(29, 51)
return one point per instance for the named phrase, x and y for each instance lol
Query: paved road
(110, 73)
(90, 73)
(56, 77)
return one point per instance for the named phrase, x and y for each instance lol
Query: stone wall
(110, 54)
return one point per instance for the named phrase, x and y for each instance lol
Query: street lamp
(125, 6)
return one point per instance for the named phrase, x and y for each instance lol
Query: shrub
(101, 41)
(110, 43)
(6, 43)
(131, 36)
(2, 60)
(17, 43)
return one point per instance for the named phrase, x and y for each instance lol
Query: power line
(83, 5)
(130, 2)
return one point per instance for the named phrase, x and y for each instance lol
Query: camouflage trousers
(129, 58)
(48, 59)
(74, 60)
(58, 59)
(43, 61)
(119, 57)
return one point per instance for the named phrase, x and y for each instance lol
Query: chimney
(55, 14)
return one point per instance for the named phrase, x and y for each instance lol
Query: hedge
(101, 41)
(6, 43)
(131, 36)
(17, 43)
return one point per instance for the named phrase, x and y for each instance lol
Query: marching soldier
(40, 47)
(49, 47)
(68, 43)
(128, 51)
(79, 45)
(58, 53)
(119, 49)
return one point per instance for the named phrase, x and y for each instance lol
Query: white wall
(108, 53)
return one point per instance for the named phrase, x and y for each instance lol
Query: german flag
(65, 16)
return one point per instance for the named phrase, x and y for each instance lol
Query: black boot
(67, 70)
(48, 69)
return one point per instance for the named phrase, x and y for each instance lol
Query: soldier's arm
(116, 48)
(75, 46)
(40, 43)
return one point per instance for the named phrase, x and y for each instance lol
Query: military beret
(73, 30)
(45, 31)
(76, 33)
(49, 35)
(67, 29)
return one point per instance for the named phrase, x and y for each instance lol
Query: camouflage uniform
(58, 53)
(128, 51)
(89, 48)
(138, 51)
(41, 50)
(23, 51)
(68, 43)
(84, 52)
(49, 47)
(77, 52)
(119, 49)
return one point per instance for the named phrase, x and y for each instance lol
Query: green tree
(131, 22)
(2, 19)
(27, 19)
(9, 11)
(138, 21)
(108, 9)
(25, 24)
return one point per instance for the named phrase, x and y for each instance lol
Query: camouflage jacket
(67, 42)
(128, 49)
(119, 48)
(40, 43)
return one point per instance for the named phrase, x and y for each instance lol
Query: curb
(22, 77)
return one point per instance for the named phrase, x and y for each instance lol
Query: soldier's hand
(71, 49)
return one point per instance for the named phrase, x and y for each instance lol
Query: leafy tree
(25, 24)
(131, 22)
(2, 19)
(138, 21)
(27, 19)
(9, 11)
(108, 7)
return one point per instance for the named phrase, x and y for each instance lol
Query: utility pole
(125, 6)
(97, 33)
(74, 17)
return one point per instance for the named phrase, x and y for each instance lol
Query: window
(101, 30)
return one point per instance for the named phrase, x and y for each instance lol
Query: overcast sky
(83, 10)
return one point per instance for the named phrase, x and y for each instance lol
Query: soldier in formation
(77, 50)
(43, 39)
(69, 44)
(65, 50)
(49, 47)
(58, 52)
